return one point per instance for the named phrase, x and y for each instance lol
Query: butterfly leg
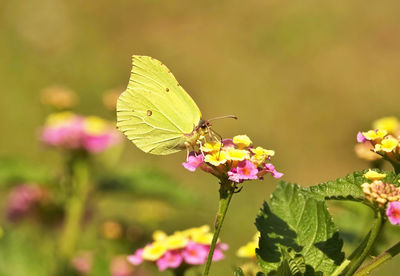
(188, 146)
(200, 146)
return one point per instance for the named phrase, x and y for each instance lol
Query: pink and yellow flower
(188, 247)
(373, 135)
(245, 170)
(171, 259)
(237, 160)
(70, 131)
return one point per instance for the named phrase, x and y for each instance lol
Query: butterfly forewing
(155, 112)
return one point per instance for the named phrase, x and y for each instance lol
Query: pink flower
(75, 132)
(393, 212)
(66, 134)
(228, 143)
(22, 200)
(195, 254)
(269, 168)
(361, 138)
(193, 162)
(218, 254)
(119, 266)
(171, 259)
(136, 259)
(99, 143)
(245, 170)
(82, 262)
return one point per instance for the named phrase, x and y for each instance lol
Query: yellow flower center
(95, 125)
(154, 251)
(217, 158)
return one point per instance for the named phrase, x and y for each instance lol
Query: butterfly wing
(155, 112)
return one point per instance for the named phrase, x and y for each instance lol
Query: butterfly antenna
(223, 117)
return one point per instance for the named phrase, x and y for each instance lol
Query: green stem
(371, 238)
(226, 192)
(75, 206)
(396, 166)
(378, 261)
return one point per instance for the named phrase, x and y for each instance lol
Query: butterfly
(156, 113)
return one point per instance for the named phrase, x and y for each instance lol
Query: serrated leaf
(295, 219)
(348, 187)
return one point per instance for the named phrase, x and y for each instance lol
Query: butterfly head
(203, 125)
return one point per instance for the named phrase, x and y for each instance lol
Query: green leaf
(238, 272)
(295, 220)
(295, 262)
(348, 188)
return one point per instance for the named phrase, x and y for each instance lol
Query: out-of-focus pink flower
(83, 262)
(136, 259)
(244, 170)
(22, 200)
(120, 267)
(99, 143)
(75, 132)
(218, 254)
(193, 162)
(393, 212)
(195, 253)
(171, 259)
(183, 248)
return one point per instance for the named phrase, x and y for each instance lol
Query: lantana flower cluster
(383, 139)
(234, 158)
(183, 248)
(385, 195)
(67, 130)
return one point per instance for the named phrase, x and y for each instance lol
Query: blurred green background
(302, 76)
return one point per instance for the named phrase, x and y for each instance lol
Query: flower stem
(396, 166)
(75, 206)
(226, 192)
(361, 254)
(378, 261)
